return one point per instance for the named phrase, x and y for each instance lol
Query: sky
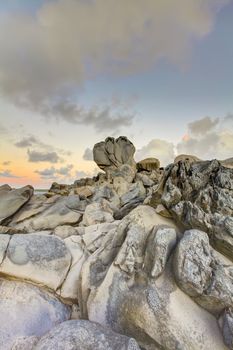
(73, 72)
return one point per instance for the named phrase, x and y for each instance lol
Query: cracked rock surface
(137, 257)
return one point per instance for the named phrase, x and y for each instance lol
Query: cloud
(202, 126)
(58, 174)
(46, 173)
(49, 56)
(156, 148)
(88, 154)
(7, 162)
(35, 156)
(208, 138)
(65, 170)
(26, 142)
(8, 173)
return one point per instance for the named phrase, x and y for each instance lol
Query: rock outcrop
(112, 153)
(137, 257)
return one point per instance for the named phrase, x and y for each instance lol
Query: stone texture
(203, 274)
(148, 164)
(188, 157)
(127, 284)
(226, 325)
(12, 200)
(112, 153)
(27, 311)
(200, 195)
(98, 212)
(53, 212)
(84, 335)
(39, 258)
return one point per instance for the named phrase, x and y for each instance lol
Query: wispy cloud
(8, 173)
(88, 154)
(50, 157)
(49, 56)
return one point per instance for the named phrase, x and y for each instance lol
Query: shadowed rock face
(200, 195)
(112, 153)
(12, 200)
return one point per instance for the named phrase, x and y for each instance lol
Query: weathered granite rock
(228, 163)
(98, 212)
(12, 200)
(25, 343)
(51, 213)
(188, 157)
(200, 195)
(27, 311)
(42, 259)
(202, 274)
(112, 153)
(226, 325)
(69, 288)
(148, 164)
(84, 335)
(127, 284)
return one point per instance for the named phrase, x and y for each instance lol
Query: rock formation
(137, 257)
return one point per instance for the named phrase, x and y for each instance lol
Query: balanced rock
(112, 153)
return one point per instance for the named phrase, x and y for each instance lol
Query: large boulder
(47, 214)
(27, 312)
(84, 335)
(112, 153)
(127, 284)
(39, 258)
(148, 164)
(200, 195)
(188, 157)
(11, 200)
(200, 273)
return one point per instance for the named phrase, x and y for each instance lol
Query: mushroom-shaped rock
(112, 153)
(189, 157)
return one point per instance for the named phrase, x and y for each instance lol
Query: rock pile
(138, 257)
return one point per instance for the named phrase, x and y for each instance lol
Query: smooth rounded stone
(65, 231)
(66, 210)
(42, 259)
(226, 326)
(27, 312)
(128, 285)
(12, 200)
(98, 212)
(69, 288)
(192, 263)
(84, 335)
(148, 164)
(112, 153)
(188, 157)
(84, 191)
(202, 273)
